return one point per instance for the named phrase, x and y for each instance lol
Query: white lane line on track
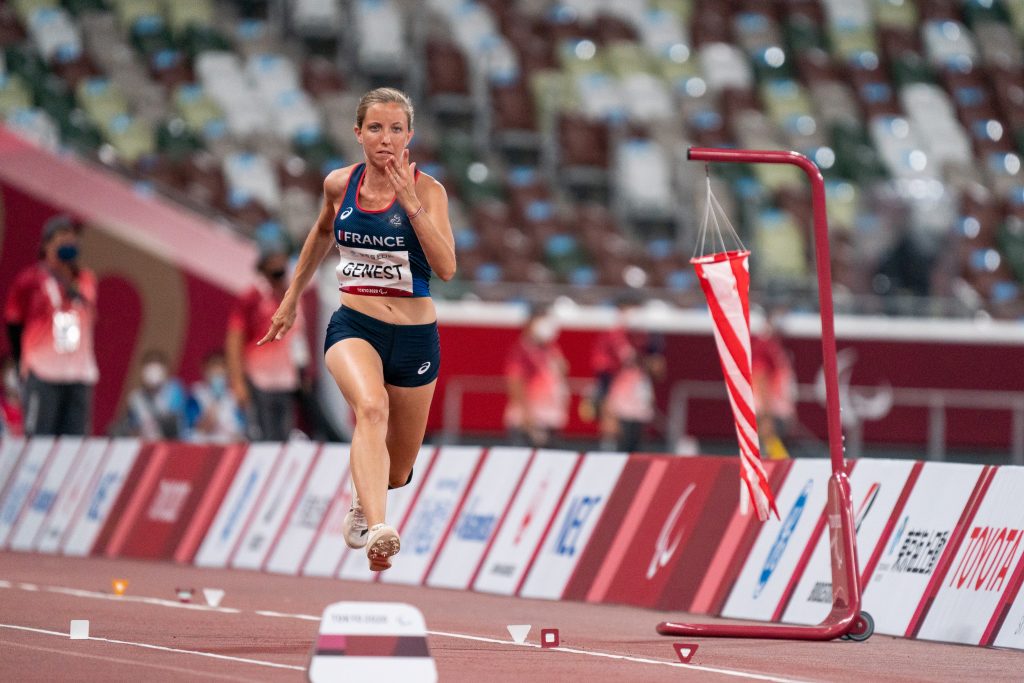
(77, 592)
(444, 634)
(162, 648)
(282, 615)
(194, 673)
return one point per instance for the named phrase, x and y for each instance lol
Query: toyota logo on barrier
(663, 549)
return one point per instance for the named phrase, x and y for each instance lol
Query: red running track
(266, 624)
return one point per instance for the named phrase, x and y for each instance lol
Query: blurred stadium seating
(560, 127)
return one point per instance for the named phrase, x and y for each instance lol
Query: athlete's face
(385, 133)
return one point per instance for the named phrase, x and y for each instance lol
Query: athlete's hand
(284, 318)
(402, 176)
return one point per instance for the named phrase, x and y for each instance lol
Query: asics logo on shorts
(346, 213)
(423, 368)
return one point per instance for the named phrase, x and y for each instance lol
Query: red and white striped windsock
(725, 279)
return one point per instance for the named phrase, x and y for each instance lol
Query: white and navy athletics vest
(380, 253)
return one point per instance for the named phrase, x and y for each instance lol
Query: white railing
(936, 401)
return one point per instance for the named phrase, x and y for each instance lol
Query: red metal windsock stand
(846, 618)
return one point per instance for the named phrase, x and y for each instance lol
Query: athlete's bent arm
(426, 204)
(314, 249)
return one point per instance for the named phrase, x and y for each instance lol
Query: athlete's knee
(397, 480)
(372, 409)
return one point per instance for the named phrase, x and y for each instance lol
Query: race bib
(374, 273)
(67, 331)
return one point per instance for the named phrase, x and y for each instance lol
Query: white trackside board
(372, 641)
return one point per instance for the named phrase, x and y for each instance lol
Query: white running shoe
(355, 524)
(381, 545)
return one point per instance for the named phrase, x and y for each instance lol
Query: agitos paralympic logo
(664, 549)
(988, 560)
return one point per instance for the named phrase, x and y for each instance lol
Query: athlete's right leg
(359, 373)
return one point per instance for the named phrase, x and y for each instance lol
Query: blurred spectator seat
(779, 244)
(643, 180)
(931, 113)
(35, 125)
(250, 176)
(725, 66)
(316, 18)
(382, 44)
(224, 81)
(55, 35)
(948, 44)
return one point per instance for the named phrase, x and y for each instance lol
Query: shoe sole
(381, 551)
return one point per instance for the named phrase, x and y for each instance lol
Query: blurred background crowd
(559, 129)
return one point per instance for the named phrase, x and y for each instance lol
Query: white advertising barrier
(875, 487)
(355, 566)
(41, 500)
(1011, 631)
(301, 528)
(781, 542)
(982, 569)
(274, 504)
(72, 495)
(21, 484)
(10, 450)
(432, 514)
(237, 506)
(527, 520)
(574, 523)
(102, 494)
(490, 496)
(329, 544)
(916, 543)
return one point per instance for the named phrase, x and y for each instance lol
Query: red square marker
(685, 651)
(549, 637)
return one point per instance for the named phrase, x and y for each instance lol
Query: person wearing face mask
(265, 378)
(538, 393)
(214, 415)
(627, 361)
(12, 419)
(156, 408)
(51, 315)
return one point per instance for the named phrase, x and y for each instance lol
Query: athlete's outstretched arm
(314, 249)
(426, 204)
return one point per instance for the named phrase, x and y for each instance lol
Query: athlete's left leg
(407, 423)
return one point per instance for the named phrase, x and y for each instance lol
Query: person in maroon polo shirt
(265, 379)
(51, 316)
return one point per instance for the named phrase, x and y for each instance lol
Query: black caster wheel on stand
(863, 627)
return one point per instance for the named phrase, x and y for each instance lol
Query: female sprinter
(390, 225)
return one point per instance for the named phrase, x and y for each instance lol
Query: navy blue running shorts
(411, 354)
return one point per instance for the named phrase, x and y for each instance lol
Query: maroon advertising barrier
(160, 507)
(664, 530)
(671, 529)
